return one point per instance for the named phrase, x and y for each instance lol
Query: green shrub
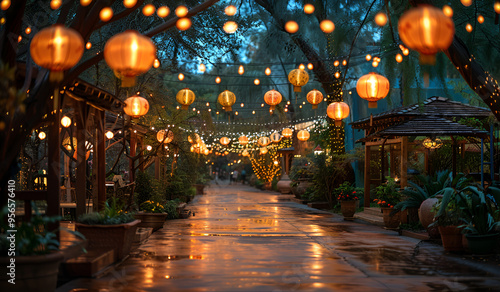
(143, 187)
(112, 214)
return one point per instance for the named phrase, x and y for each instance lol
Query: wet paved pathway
(243, 239)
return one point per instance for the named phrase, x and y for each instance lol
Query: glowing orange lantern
(57, 48)
(65, 121)
(466, 2)
(427, 30)
(468, 27)
(381, 19)
(314, 97)
(327, 26)
(308, 8)
(163, 11)
(185, 97)
(183, 23)
(338, 111)
(227, 99)
(272, 98)
(448, 11)
(291, 26)
(109, 135)
(372, 87)
(42, 135)
(496, 7)
(148, 9)
(480, 18)
(230, 10)
(287, 132)
(243, 140)
(298, 78)
(399, 58)
(165, 136)
(129, 54)
(268, 71)
(264, 141)
(129, 3)
(303, 135)
(5, 4)
(275, 137)
(181, 11)
(136, 106)
(230, 27)
(224, 141)
(263, 150)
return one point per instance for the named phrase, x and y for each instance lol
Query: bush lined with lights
(264, 166)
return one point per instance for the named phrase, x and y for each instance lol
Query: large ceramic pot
(118, 237)
(348, 208)
(391, 222)
(32, 273)
(426, 217)
(151, 220)
(482, 244)
(451, 236)
(284, 185)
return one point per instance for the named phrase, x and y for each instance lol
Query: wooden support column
(404, 162)
(54, 167)
(367, 176)
(392, 162)
(81, 163)
(100, 153)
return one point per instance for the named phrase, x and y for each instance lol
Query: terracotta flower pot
(391, 222)
(348, 208)
(32, 273)
(451, 236)
(151, 220)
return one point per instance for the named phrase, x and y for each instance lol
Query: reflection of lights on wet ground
(148, 277)
(167, 277)
(318, 285)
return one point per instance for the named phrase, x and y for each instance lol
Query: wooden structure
(391, 129)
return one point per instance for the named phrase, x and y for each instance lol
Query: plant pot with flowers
(152, 215)
(348, 197)
(387, 196)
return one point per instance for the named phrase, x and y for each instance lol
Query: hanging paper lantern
(267, 71)
(432, 143)
(57, 48)
(275, 137)
(185, 97)
(136, 106)
(338, 111)
(272, 98)
(165, 136)
(148, 9)
(298, 78)
(314, 97)
(194, 138)
(263, 150)
(243, 140)
(224, 141)
(372, 87)
(227, 99)
(399, 58)
(129, 54)
(264, 141)
(303, 135)
(287, 132)
(427, 30)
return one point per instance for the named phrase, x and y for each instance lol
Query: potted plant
(348, 197)
(387, 196)
(110, 229)
(152, 215)
(200, 185)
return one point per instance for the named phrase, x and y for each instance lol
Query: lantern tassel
(372, 104)
(427, 59)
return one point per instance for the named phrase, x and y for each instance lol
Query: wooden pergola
(433, 118)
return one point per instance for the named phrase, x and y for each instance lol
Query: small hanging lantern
(287, 132)
(272, 98)
(264, 141)
(372, 87)
(243, 140)
(129, 54)
(298, 78)
(432, 143)
(338, 111)
(263, 150)
(426, 29)
(165, 136)
(109, 135)
(227, 99)
(275, 137)
(136, 106)
(194, 138)
(314, 97)
(224, 141)
(185, 97)
(303, 135)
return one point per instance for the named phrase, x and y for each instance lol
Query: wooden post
(157, 168)
(404, 162)
(392, 161)
(367, 176)
(54, 167)
(81, 164)
(100, 152)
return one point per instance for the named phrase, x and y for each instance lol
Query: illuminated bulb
(2, 20)
(149, 148)
(19, 39)
(406, 52)
(276, 162)
(181, 76)
(42, 135)
(54, 4)
(202, 67)
(262, 105)
(256, 82)
(148, 9)
(302, 67)
(66, 121)
(374, 63)
(337, 74)
(5, 4)
(336, 63)
(217, 79)
(448, 11)
(181, 11)
(268, 71)
(496, 7)
(327, 26)
(230, 26)
(466, 2)
(163, 11)
(368, 57)
(235, 113)
(129, 3)
(310, 66)
(106, 14)
(183, 23)
(480, 18)
(291, 26)
(253, 112)
(88, 45)
(399, 58)
(208, 104)
(230, 10)
(241, 70)
(242, 104)
(286, 110)
(309, 8)
(85, 2)
(156, 63)
(27, 30)
(109, 135)
(344, 62)
(468, 27)
(381, 19)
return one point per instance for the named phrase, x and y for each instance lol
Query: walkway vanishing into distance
(244, 239)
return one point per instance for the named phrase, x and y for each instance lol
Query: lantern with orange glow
(227, 99)
(57, 48)
(264, 141)
(165, 136)
(136, 106)
(291, 26)
(263, 150)
(129, 54)
(230, 10)
(65, 121)
(287, 132)
(327, 26)
(42, 135)
(185, 97)
(243, 140)
(338, 111)
(275, 137)
(183, 23)
(314, 97)
(230, 27)
(427, 30)
(272, 98)
(303, 135)
(372, 87)
(298, 78)
(224, 141)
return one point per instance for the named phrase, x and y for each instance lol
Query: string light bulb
(230, 27)
(241, 70)
(106, 14)
(163, 11)
(181, 11)
(327, 26)
(381, 19)
(148, 9)
(268, 71)
(230, 10)
(183, 24)
(309, 8)
(291, 26)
